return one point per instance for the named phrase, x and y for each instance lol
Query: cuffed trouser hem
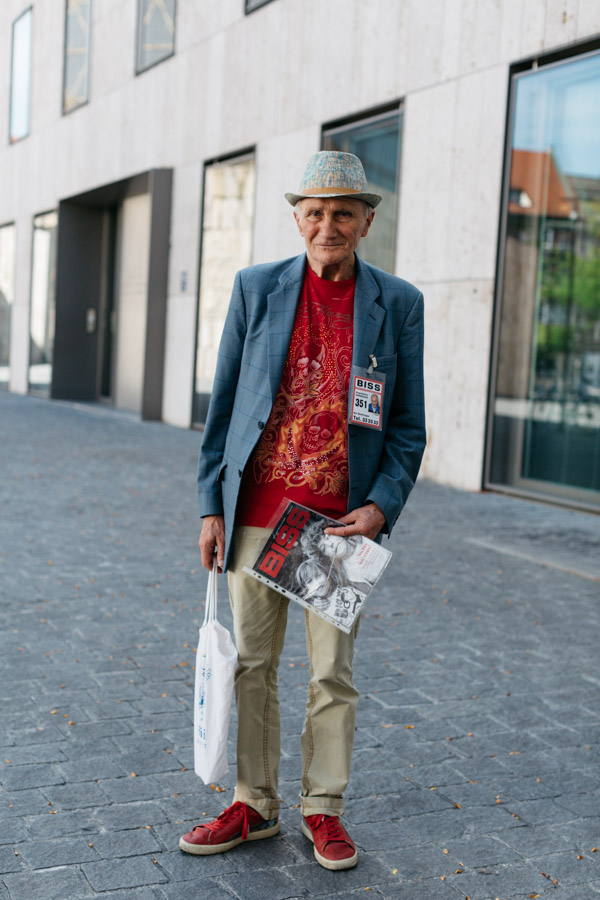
(268, 809)
(322, 806)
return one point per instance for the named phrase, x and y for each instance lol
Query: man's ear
(297, 218)
(370, 217)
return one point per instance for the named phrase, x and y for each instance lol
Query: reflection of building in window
(227, 228)
(376, 141)
(42, 310)
(156, 31)
(538, 187)
(7, 294)
(546, 425)
(76, 66)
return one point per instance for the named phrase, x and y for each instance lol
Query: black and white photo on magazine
(327, 573)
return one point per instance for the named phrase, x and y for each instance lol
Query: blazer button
(240, 472)
(261, 425)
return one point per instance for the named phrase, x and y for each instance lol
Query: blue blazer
(388, 322)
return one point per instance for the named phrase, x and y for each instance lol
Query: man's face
(332, 229)
(374, 400)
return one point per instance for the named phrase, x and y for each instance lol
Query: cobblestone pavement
(476, 769)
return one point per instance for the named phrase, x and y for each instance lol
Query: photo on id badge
(367, 398)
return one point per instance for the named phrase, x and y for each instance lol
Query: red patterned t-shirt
(303, 450)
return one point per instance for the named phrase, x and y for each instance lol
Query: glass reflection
(42, 311)
(227, 226)
(546, 428)
(20, 80)
(376, 142)
(156, 31)
(7, 296)
(77, 39)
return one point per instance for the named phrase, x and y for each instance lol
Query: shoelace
(225, 816)
(332, 828)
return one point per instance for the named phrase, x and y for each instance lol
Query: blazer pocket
(221, 475)
(386, 362)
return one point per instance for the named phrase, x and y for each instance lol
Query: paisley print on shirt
(303, 449)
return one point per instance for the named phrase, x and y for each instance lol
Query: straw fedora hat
(331, 173)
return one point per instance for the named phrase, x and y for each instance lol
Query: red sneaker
(236, 824)
(334, 848)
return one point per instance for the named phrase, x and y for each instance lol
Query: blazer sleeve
(405, 437)
(210, 462)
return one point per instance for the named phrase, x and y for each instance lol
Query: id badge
(366, 390)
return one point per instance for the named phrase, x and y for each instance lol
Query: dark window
(376, 141)
(251, 5)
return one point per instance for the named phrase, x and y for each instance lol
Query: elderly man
(282, 423)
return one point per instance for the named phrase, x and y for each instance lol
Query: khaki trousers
(260, 618)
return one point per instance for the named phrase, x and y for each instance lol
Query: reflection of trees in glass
(77, 33)
(568, 329)
(546, 425)
(156, 31)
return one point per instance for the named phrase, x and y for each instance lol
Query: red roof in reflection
(537, 187)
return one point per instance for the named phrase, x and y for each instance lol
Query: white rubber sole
(209, 849)
(333, 864)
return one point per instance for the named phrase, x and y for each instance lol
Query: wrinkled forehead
(332, 204)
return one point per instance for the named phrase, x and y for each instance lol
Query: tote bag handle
(210, 610)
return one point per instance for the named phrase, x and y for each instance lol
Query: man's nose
(328, 224)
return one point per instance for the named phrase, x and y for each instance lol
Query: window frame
(140, 69)
(561, 495)
(64, 111)
(15, 140)
(251, 6)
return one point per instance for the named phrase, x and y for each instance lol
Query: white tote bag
(216, 659)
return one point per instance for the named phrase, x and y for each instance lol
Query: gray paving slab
(478, 729)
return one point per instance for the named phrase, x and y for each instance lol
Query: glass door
(546, 409)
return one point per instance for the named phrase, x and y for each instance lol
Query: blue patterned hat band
(331, 173)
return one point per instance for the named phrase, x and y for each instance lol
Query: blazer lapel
(368, 316)
(281, 313)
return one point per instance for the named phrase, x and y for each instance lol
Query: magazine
(329, 574)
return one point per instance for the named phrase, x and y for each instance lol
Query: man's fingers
(367, 520)
(212, 540)
(346, 531)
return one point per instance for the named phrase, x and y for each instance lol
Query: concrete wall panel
(451, 177)
(457, 342)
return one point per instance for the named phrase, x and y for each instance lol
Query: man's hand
(366, 520)
(211, 536)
